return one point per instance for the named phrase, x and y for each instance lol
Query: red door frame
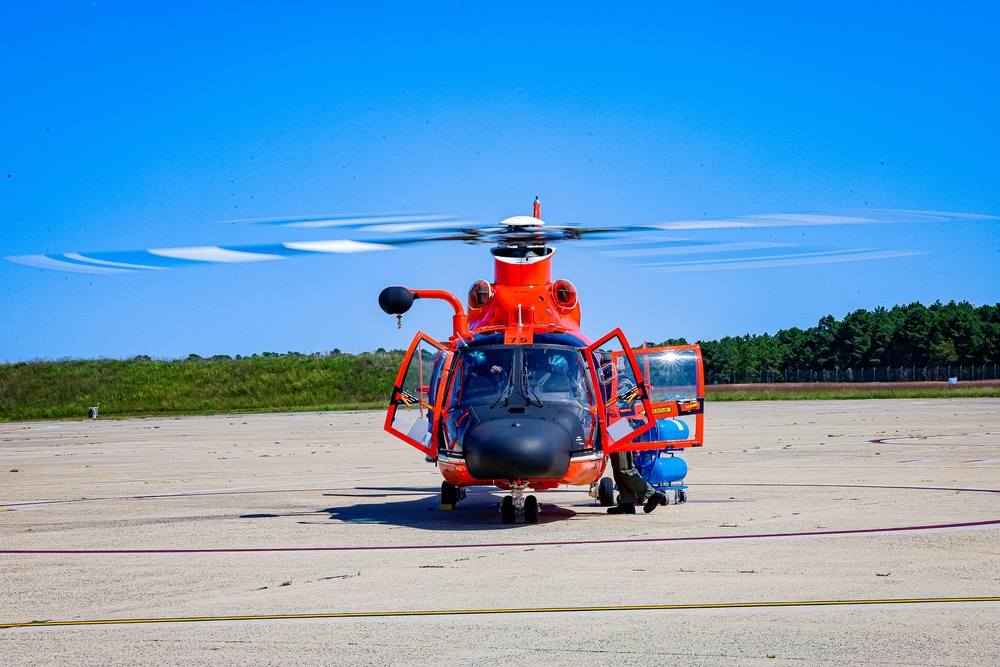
(433, 411)
(609, 411)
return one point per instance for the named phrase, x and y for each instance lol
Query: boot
(654, 501)
(624, 508)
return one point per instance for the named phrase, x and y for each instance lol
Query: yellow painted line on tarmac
(477, 612)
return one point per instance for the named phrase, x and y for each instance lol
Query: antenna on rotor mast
(538, 209)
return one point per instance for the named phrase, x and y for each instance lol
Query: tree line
(914, 335)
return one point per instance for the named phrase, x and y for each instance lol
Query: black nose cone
(517, 449)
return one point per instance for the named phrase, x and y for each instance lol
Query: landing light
(480, 294)
(564, 293)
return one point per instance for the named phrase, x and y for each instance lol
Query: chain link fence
(869, 374)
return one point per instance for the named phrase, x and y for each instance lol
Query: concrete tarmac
(815, 532)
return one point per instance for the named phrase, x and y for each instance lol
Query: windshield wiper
(505, 393)
(526, 387)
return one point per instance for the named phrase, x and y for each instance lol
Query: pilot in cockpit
(483, 375)
(555, 375)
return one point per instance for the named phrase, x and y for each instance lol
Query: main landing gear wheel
(530, 510)
(449, 496)
(507, 512)
(606, 492)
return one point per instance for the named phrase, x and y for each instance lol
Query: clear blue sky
(136, 125)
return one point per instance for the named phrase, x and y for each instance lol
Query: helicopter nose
(517, 449)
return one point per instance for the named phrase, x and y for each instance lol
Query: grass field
(282, 383)
(139, 387)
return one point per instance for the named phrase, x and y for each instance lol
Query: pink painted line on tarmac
(854, 486)
(497, 545)
(930, 440)
(194, 494)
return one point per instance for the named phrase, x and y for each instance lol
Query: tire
(507, 512)
(531, 510)
(449, 496)
(606, 492)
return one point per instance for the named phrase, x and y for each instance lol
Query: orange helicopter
(518, 398)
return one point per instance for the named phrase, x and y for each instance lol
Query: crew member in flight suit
(632, 488)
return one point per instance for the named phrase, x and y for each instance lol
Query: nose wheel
(517, 503)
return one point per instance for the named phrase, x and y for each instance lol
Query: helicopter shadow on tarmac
(478, 511)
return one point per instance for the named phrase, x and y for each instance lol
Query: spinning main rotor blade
(433, 227)
(853, 217)
(386, 231)
(382, 222)
(154, 259)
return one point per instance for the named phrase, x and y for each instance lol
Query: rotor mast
(522, 298)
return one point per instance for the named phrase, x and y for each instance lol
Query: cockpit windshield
(539, 373)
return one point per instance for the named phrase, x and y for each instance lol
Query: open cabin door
(623, 401)
(418, 393)
(674, 379)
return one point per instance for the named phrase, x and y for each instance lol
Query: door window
(416, 397)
